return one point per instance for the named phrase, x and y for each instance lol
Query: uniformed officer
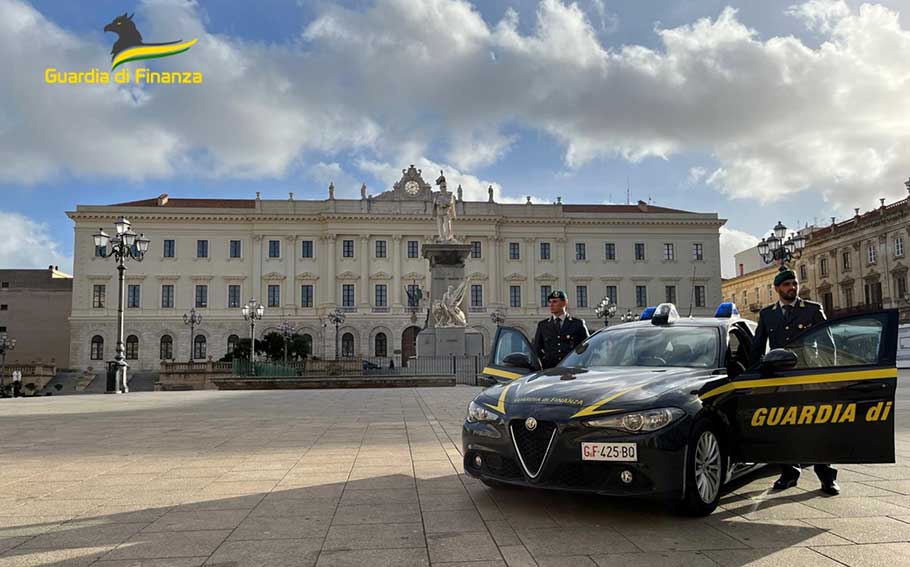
(777, 324)
(558, 334)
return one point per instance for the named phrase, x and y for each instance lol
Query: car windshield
(648, 346)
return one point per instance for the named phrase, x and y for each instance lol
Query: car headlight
(477, 412)
(638, 422)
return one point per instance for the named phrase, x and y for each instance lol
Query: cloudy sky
(760, 111)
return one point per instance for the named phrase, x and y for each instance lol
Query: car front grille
(596, 476)
(532, 446)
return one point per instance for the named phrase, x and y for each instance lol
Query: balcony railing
(380, 310)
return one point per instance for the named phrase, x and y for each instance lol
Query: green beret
(556, 294)
(783, 275)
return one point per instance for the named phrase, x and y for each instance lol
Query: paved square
(372, 477)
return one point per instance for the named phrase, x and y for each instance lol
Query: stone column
(256, 287)
(365, 273)
(531, 262)
(396, 290)
(290, 271)
(330, 284)
(495, 270)
(561, 262)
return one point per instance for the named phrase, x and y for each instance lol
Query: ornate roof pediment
(413, 276)
(348, 275)
(475, 276)
(307, 276)
(515, 277)
(274, 276)
(545, 277)
(380, 276)
(411, 186)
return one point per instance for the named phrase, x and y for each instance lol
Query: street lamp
(605, 310)
(288, 330)
(776, 249)
(498, 317)
(123, 245)
(628, 316)
(336, 317)
(192, 319)
(6, 344)
(252, 312)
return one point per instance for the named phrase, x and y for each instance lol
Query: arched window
(97, 348)
(166, 352)
(380, 345)
(199, 348)
(233, 341)
(308, 344)
(132, 347)
(347, 345)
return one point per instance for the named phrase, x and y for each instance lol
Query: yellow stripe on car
(876, 374)
(502, 373)
(594, 409)
(501, 404)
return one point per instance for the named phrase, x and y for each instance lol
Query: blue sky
(769, 110)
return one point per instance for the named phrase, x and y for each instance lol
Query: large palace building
(305, 258)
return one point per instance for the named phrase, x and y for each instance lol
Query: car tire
(706, 464)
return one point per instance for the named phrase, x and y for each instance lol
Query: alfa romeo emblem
(531, 424)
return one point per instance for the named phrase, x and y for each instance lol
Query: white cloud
(26, 244)
(733, 241)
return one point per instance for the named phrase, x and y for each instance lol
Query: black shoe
(784, 483)
(831, 488)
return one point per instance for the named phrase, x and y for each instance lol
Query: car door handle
(867, 386)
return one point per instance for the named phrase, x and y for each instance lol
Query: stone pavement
(371, 477)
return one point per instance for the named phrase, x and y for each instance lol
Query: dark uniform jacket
(775, 328)
(552, 344)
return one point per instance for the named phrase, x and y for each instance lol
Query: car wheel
(705, 469)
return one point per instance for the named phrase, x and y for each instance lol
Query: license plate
(624, 452)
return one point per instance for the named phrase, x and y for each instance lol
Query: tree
(242, 350)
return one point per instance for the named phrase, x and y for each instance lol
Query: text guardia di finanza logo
(130, 47)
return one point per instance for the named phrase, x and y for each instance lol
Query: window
(380, 248)
(202, 295)
(274, 249)
(132, 296)
(166, 348)
(853, 341)
(167, 296)
(199, 347)
(98, 294)
(132, 347)
(803, 272)
(612, 295)
(413, 249)
(347, 345)
(307, 346)
(871, 252)
(900, 285)
(306, 249)
(745, 297)
(544, 250)
(514, 251)
(580, 252)
(382, 295)
(873, 293)
(274, 295)
(4, 307)
(232, 342)
(347, 248)
(899, 247)
(4, 285)
(609, 251)
(848, 297)
(306, 295)
(514, 296)
(97, 352)
(100, 251)
(412, 295)
(476, 250)
(670, 293)
(234, 249)
(380, 345)
(544, 294)
(202, 248)
(641, 296)
(845, 258)
(700, 296)
(233, 296)
(640, 251)
(476, 295)
(669, 252)
(581, 296)
(698, 251)
(170, 249)
(823, 266)
(828, 302)
(347, 295)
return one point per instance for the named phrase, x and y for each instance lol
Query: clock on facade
(411, 187)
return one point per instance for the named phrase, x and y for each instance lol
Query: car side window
(853, 342)
(510, 341)
(736, 359)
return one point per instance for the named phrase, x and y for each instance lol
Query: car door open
(511, 356)
(827, 397)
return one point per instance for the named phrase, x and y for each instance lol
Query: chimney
(162, 199)
(642, 206)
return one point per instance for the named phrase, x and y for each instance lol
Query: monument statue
(447, 311)
(444, 212)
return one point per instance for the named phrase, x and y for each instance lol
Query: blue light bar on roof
(648, 313)
(727, 310)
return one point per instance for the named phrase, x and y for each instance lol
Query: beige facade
(34, 310)
(751, 291)
(360, 254)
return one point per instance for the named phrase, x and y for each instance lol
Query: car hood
(584, 392)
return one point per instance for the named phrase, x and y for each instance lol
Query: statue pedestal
(447, 261)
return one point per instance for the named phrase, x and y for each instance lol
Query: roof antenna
(628, 192)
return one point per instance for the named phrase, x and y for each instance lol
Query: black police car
(672, 407)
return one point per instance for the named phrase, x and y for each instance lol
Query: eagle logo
(130, 47)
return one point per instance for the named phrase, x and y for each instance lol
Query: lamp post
(776, 249)
(192, 319)
(6, 344)
(288, 330)
(498, 318)
(605, 310)
(252, 312)
(123, 245)
(628, 316)
(336, 317)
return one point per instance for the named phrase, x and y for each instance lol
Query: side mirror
(519, 360)
(779, 359)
